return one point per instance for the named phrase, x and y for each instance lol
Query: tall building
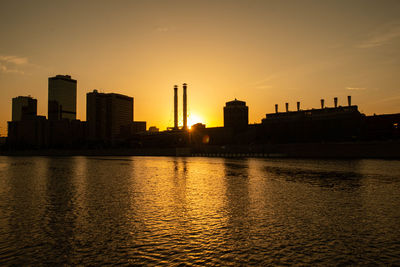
(24, 108)
(236, 115)
(62, 98)
(106, 114)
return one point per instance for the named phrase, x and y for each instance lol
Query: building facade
(62, 98)
(236, 115)
(24, 108)
(106, 114)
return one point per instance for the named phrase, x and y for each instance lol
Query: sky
(262, 52)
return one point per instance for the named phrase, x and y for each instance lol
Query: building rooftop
(63, 77)
(319, 113)
(235, 103)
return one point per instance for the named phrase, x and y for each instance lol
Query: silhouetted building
(106, 114)
(2, 140)
(312, 125)
(134, 127)
(30, 134)
(382, 127)
(236, 115)
(67, 133)
(153, 129)
(62, 98)
(24, 108)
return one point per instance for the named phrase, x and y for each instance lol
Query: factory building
(184, 111)
(337, 123)
(62, 98)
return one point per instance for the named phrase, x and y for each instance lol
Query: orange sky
(262, 52)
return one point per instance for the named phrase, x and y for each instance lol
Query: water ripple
(198, 211)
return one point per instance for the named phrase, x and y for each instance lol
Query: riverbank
(387, 149)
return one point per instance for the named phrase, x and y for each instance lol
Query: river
(198, 211)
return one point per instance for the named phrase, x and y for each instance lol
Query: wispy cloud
(5, 69)
(389, 99)
(356, 88)
(14, 60)
(382, 36)
(264, 83)
(265, 86)
(13, 64)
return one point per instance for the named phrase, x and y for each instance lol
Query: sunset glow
(194, 119)
(263, 52)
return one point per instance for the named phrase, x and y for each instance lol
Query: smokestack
(276, 108)
(335, 101)
(322, 103)
(349, 100)
(176, 107)
(298, 106)
(184, 107)
(287, 107)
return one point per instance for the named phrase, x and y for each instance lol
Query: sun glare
(193, 119)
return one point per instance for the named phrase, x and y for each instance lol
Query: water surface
(198, 211)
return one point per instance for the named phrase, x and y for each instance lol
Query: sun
(193, 119)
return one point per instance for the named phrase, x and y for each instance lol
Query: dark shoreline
(378, 150)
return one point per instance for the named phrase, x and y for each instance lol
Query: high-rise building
(62, 98)
(24, 108)
(236, 114)
(106, 114)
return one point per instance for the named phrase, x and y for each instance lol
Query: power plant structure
(185, 106)
(185, 126)
(176, 107)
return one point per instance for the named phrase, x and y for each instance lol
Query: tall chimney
(322, 103)
(287, 107)
(349, 100)
(184, 107)
(298, 106)
(276, 108)
(335, 101)
(176, 107)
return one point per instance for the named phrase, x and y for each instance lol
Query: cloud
(14, 60)
(381, 36)
(5, 69)
(264, 83)
(356, 88)
(389, 99)
(13, 64)
(266, 86)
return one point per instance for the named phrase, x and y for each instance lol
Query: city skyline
(263, 52)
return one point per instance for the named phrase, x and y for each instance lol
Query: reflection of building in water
(23, 108)
(238, 200)
(62, 98)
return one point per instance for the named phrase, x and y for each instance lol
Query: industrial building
(184, 110)
(337, 123)
(62, 98)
